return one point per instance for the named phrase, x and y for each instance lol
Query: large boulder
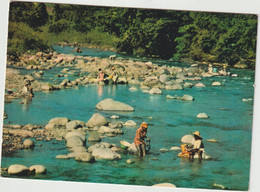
(101, 145)
(28, 144)
(38, 169)
(177, 87)
(155, 91)
(111, 105)
(187, 85)
(189, 139)
(94, 137)
(132, 148)
(17, 169)
(76, 133)
(72, 125)
(105, 153)
(187, 98)
(164, 78)
(85, 157)
(59, 122)
(97, 120)
(74, 141)
(130, 123)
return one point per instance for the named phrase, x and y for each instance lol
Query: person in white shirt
(197, 146)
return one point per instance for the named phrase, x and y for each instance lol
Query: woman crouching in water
(139, 139)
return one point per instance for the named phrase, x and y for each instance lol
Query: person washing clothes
(139, 140)
(197, 146)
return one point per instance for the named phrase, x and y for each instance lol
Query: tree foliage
(201, 36)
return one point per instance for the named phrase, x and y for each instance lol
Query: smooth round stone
(39, 169)
(130, 161)
(28, 144)
(164, 185)
(164, 150)
(175, 148)
(202, 116)
(62, 157)
(18, 169)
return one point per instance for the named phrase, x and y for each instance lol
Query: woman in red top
(139, 139)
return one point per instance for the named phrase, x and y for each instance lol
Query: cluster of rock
(150, 77)
(17, 137)
(18, 169)
(98, 126)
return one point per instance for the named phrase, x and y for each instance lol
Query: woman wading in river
(139, 139)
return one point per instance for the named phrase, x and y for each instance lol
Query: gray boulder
(130, 123)
(177, 87)
(164, 78)
(189, 139)
(17, 169)
(155, 91)
(111, 105)
(74, 141)
(59, 122)
(94, 137)
(28, 144)
(101, 145)
(105, 153)
(76, 133)
(187, 98)
(72, 125)
(132, 148)
(97, 120)
(39, 169)
(85, 157)
(187, 85)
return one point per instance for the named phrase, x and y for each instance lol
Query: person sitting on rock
(210, 69)
(139, 140)
(197, 146)
(101, 76)
(114, 75)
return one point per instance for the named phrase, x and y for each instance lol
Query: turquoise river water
(230, 123)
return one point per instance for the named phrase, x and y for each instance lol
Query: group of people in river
(102, 77)
(189, 151)
(222, 71)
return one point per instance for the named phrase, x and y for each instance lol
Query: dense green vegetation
(200, 36)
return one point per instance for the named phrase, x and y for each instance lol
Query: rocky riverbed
(173, 100)
(151, 78)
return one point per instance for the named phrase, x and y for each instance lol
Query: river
(230, 123)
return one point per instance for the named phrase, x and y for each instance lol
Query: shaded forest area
(175, 35)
